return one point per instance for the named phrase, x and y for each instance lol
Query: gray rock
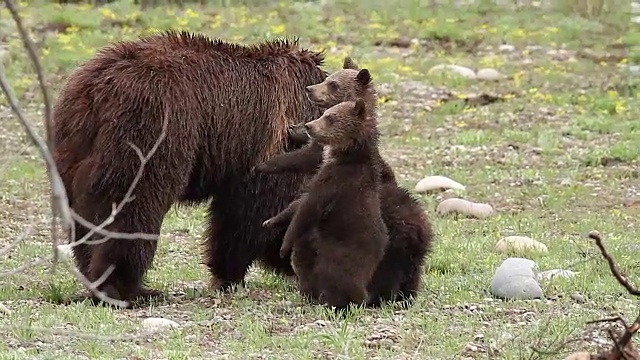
(516, 278)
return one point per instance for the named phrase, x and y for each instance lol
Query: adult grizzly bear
(228, 108)
(398, 276)
(336, 225)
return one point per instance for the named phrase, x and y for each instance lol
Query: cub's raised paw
(263, 168)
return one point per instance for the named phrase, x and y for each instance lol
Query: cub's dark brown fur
(410, 233)
(335, 226)
(228, 107)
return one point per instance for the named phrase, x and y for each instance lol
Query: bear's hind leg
(131, 258)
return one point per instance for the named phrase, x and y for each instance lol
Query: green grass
(556, 160)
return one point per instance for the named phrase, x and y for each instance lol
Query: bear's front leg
(304, 160)
(283, 218)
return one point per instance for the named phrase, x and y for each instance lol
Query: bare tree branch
(59, 198)
(612, 265)
(27, 231)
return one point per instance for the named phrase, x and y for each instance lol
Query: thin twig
(59, 200)
(27, 231)
(612, 265)
(619, 350)
(93, 286)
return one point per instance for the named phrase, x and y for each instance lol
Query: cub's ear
(349, 64)
(363, 77)
(360, 108)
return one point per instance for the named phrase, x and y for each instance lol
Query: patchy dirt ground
(557, 157)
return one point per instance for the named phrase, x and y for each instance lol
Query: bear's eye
(333, 86)
(331, 119)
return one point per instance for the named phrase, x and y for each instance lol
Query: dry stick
(27, 231)
(59, 196)
(59, 201)
(612, 265)
(128, 197)
(93, 286)
(619, 349)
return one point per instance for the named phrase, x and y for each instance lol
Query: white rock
(159, 324)
(489, 74)
(548, 274)
(4, 309)
(507, 48)
(464, 207)
(65, 251)
(516, 278)
(437, 182)
(519, 244)
(453, 69)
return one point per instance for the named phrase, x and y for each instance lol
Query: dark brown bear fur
(336, 226)
(410, 233)
(228, 107)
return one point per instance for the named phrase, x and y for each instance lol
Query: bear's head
(343, 125)
(347, 84)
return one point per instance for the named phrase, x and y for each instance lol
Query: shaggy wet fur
(228, 108)
(398, 277)
(336, 226)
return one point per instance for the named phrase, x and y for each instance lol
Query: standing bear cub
(336, 226)
(398, 276)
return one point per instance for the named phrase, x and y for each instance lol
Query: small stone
(489, 74)
(516, 278)
(519, 244)
(577, 297)
(507, 48)
(437, 182)
(453, 69)
(159, 324)
(549, 274)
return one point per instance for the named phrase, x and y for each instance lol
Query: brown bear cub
(338, 216)
(398, 276)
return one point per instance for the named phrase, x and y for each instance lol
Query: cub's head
(343, 125)
(347, 84)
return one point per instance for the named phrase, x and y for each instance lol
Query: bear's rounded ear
(349, 64)
(360, 107)
(363, 77)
